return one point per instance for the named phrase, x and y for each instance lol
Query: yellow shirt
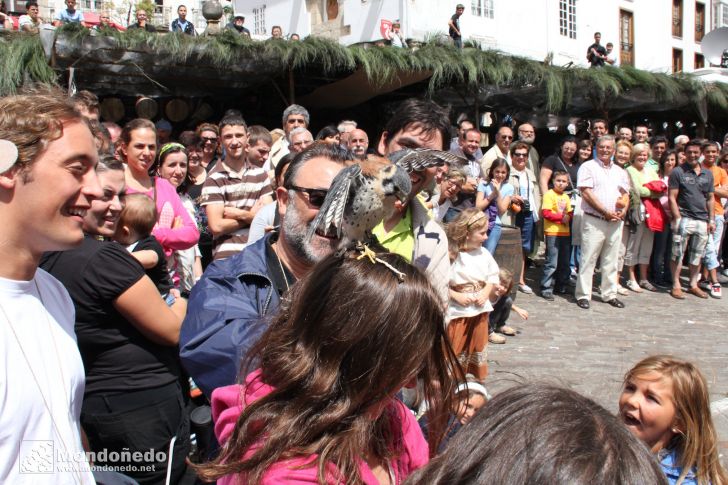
(401, 239)
(555, 203)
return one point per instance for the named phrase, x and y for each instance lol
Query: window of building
(699, 61)
(259, 20)
(626, 38)
(677, 64)
(482, 8)
(677, 16)
(567, 18)
(699, 21)
(720, 14)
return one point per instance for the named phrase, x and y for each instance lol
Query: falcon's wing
(332, 210)
(417, 159)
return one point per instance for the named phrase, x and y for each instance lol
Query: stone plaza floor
(590, 350)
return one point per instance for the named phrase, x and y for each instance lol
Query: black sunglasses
(316, 197)
(205, 140)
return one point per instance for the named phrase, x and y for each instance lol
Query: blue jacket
(670, 463)
(228, 310)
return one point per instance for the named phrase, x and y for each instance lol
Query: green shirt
(401, 239)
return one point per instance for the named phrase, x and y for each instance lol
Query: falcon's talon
(366, 253)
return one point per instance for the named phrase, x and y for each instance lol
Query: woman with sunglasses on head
(175, 229)
(185, 265)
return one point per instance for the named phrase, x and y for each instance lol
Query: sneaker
(647, 285)
(621, 290)
(716, 291)
(506, 330)
(634, 286)
(548, 296)
(704, 285)
(525, 289)
(494, 338)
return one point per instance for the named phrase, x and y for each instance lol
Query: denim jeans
(660, 261)
(501, 311)
(493, 237)
(556, 266)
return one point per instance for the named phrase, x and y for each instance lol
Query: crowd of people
(31, 21)
(148, 271)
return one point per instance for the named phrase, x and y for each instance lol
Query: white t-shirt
(33, 449)
(472, 267)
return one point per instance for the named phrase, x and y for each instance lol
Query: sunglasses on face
(316, 197)
(211, 140)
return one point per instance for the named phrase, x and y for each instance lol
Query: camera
(526, 205)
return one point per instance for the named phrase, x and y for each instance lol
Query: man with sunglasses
(501, 148)
(234, 192)
(229, 307)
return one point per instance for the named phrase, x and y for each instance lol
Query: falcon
(363, 194)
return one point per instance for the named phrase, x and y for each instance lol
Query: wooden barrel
(111, 109)
(509, 254)
(146, 108)
(177, 110)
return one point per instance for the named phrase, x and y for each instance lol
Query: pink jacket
(228, 403)
(169, 206)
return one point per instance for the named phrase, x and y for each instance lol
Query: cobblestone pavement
(590, 350)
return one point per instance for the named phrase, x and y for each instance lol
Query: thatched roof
(135, 62)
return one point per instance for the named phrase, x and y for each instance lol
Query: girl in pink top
(175, 228)
(321, 408)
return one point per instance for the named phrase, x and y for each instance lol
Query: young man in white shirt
(47, 182)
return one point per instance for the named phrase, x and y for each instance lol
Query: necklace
(76, 472)
(283, 271)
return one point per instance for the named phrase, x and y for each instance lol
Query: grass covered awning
(138, 63)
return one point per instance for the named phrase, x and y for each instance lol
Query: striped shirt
(234, 189)
(607, 184)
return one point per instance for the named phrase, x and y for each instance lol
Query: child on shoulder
(473, 274)
(557, 212)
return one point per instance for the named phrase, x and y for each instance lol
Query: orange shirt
(720, 177)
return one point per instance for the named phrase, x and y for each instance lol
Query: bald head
(358, 142)
(527, 133)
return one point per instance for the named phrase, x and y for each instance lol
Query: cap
(163, 125)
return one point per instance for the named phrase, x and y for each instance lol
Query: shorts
(694, 232)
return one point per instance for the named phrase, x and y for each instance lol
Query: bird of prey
(363, 194)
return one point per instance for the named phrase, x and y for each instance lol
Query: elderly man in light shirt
(604, 186)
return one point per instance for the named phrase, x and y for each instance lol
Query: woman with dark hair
(329, 134)
(660, 258)
(175, 229)
(564, 159)
(321, 407)
(209, 134)
(172, 165)
(128, 339)
(536, 434)
(496, 191)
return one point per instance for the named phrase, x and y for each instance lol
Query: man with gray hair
(294, 116)
(358, 143)
(299, 139)
(604, 186)
(681, 140)
(345, 127)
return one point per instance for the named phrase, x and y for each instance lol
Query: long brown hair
(350, 335)
(697, 443)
